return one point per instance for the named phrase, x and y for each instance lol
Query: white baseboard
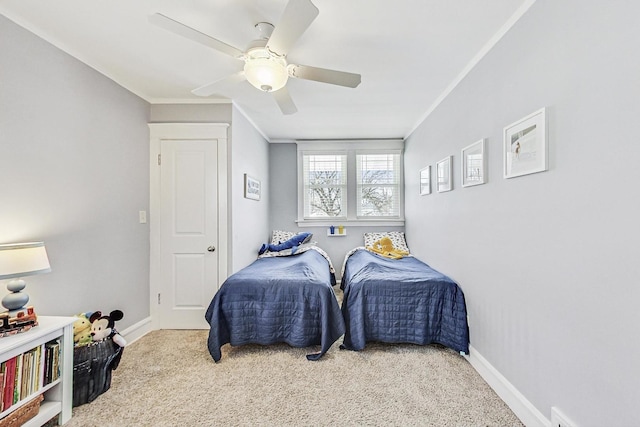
(137, 330)
(516, 401)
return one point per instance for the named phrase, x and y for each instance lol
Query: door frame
(184, 131)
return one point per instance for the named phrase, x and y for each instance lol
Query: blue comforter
(279, 299)
(401, 301)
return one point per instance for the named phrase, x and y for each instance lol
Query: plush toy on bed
(82, 329)
(293, 244)
(103, 327)
(385, 248)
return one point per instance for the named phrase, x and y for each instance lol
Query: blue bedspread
(401, 301)
(280, 299)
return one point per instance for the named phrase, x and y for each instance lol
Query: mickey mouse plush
(102, 327)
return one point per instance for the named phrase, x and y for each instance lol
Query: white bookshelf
(58, 397)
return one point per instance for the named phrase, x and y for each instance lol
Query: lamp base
(16, 300)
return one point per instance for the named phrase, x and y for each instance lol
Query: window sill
(351, 223)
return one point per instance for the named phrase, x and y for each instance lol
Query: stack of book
(25, 374)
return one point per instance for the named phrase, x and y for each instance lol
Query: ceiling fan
(265, 63)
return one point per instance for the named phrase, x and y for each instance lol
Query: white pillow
(397, 238)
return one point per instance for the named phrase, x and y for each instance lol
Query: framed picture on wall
(473, 164)
(251, 188)
(525, 145)
(443, 169)
(425, 180)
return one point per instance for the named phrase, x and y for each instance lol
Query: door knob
(211, 248)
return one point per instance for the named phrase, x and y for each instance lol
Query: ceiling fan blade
(176, 27)
(284, 101)
(340, 78)
(211, 88)
(296, 18)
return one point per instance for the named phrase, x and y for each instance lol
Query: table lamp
(18, 260)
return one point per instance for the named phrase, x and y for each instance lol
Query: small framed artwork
(473, 164)
(525, 145)
(251, 188)
(443, 168)
(425, 181)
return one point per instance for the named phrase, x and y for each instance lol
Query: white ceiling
(410, 53)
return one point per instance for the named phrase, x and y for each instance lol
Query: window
(325, 185)
(355, 182)
(378, 185)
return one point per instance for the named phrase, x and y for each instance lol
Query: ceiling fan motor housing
(264, 29)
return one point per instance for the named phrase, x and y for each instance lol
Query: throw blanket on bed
(401, 300)
(277, 299)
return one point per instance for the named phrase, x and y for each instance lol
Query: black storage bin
(92, 366)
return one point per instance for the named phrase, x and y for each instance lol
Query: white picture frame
(525, 145)
(251, 188)
(425, 181)
(473, 164)
(444, 174)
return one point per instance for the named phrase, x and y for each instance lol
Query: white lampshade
(23, 259)
(19, 260)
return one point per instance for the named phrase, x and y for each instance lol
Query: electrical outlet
(558, 419)
(142, 217)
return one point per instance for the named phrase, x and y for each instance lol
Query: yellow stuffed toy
(385, 248)
(82, 330)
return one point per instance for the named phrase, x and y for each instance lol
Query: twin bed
(401, 301)
(287, 296)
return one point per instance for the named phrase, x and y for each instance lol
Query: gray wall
(250, 218)
(548, 262)
(190, 113)
(74, 149)
(284, 208)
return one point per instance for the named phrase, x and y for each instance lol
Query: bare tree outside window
(376, 195)
(325, 195)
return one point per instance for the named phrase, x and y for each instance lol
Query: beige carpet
(168, 378)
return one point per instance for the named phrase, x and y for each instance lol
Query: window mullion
(351, 186)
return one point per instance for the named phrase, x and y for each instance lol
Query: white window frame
(345, 204)
(358, 201)
(350, 148)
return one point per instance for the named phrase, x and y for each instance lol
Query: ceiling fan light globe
(266, 74)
